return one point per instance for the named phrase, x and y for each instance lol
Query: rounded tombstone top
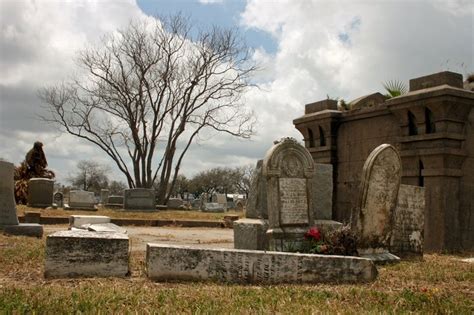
(288, 158)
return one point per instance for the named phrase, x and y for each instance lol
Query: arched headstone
(380, 184)
(288, 168)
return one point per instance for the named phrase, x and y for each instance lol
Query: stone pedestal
(250, 234)
(80, 253)
(40, 192)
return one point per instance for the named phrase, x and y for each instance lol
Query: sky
(307, 50)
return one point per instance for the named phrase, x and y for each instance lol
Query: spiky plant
(395, 88)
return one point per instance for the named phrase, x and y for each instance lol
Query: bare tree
(90, 176)
(147, 92)
(243, 179)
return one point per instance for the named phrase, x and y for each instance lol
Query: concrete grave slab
(169, 263)
(104, 227)
(79, 220)
(80, 253)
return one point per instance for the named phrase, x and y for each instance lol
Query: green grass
(113, 213)
(439, 284)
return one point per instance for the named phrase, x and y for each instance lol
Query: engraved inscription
(293, 200)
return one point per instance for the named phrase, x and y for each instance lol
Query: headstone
(104, 196)
(221, 198)
(81, 253)
(175, 203)
(213, 207)
(408, 225)
(81, 200)
(256, 207)
(322, 191)
(139, 199)
(8, 217)
(174, 262)
(373, 219)
(58, 199)
(40, 192)
(114, 202)
(289, 169)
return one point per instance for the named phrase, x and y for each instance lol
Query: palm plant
(395, 88)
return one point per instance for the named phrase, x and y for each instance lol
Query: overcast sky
(308, 50)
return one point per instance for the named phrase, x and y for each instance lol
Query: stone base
(250, 234)
(79, 253)
(69, 207)
(168, 262)
(25, 229)
(161, 207)
(287, 239)
(114, 205)
(379, 257)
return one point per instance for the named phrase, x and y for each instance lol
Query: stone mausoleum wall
(432, 127)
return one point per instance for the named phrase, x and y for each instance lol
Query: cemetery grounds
(441, 283)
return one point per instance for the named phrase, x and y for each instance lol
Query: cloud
(211, 1)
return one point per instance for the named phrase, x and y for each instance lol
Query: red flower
(313, 233)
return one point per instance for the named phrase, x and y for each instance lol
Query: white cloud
(210, 1)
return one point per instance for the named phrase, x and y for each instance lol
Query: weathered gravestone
(40, 192)
(114, 202)
(58, 199)
(8, 217)
(139, 199)
(81, 253)
(81, 200)
(175, 203)
(174, 262)
(409, 220)
(289, 170)
(104, 196)
(213, 207)
(374, 217)
(250, 232)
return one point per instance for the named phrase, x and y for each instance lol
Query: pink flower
(313, 233)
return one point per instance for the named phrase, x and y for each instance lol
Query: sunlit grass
(439, 284)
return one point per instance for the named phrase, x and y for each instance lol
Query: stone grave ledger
(139, 199)
(8, 218)
(83, 200)
(174, 262)
(40, 192)
(289, 169)
(81, 253)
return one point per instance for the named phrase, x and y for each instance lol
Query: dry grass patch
(439, 284)
(114, 213)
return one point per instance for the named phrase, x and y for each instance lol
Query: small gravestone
(114, 202)
(8, 217)
(40, 192)
(175, 203)
(289, 169)
(409, 221)
(139, 199)
(374, 218)
(213, 207)
(104, 196)
(81, 200)
(58, 199)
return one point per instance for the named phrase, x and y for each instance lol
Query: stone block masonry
(169, 263)
(78, 253)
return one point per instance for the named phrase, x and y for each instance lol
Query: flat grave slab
(79, 220)
(178, 262)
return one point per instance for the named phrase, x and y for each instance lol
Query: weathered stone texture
(250, 234)
(167, 262)
(78, 220)
(213, 207)
(40, 192)
(175, 203)
(256, 207)
(25, 229)
(408, 225)
(79, 253)
(322, 191)
(381, 176)
(139, 199)
(81, 200)
(7, 195)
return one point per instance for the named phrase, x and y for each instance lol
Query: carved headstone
(139, 199)
(81, 200)
(288, 168)
(58, 199)
(373, 219)
(40, 192)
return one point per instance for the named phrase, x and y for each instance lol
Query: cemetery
(362, 206)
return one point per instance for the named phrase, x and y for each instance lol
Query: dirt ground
(139, 236)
